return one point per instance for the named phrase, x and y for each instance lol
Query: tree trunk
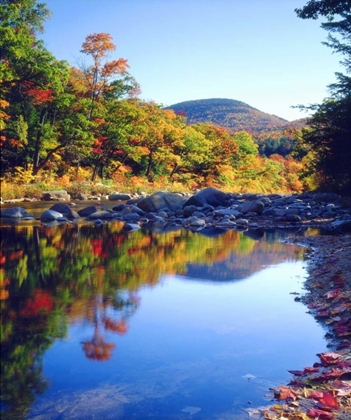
(149, 165)
(37, 149)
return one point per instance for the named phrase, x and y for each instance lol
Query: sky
(254, 51)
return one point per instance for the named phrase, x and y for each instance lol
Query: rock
(82, 197)
(50, 215)
(343, 226)
(255, 206)
(61, 208)
(194, 222)
(161, 201)
(131, 217)
(87, 211)
(119, 207)
(293, 218)
(55, 195)
(208, 196)
(15, 212)
(101, 214)
(119, 197)
(130, 209)
(226, 224)
(189, 210)
(326, 197)
(129, 227)
(226, 212)
(242, 222)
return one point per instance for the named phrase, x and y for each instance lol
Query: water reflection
(53, 277)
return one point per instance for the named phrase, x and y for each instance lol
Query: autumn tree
(223, 149)
(97, 76)
(330, 134)
(32, 85)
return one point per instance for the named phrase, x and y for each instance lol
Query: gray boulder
(161, 201)
(55, 195)
(87, 211)
(119, 197)
(208, 196)
(255, 206)
(61, 208)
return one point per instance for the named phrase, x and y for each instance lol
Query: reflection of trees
(52, 275)
(99, 313)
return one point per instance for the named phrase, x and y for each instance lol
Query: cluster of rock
(207, 208)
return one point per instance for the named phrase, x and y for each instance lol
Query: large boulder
(66, 210)
(51, 215)
(55, 195)
(161, 201)
(87, 211)
(208, 196)
(255, 206)
(119, 197)
(15, 212)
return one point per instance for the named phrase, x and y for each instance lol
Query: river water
(98, 323)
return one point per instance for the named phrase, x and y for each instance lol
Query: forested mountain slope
(228, 113)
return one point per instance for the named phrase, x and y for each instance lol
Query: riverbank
(322, 391)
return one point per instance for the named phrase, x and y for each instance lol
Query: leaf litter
(322, 391)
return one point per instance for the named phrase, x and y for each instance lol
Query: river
(98, 323)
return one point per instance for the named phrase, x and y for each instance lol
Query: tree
(32, 86)
(330, 133)
(99, 74)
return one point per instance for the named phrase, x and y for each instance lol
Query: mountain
(229, 113)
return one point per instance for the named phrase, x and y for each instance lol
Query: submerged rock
(15, 212)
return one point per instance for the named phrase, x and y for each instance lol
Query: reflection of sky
(191, 344)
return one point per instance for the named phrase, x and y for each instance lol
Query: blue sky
(255, 51)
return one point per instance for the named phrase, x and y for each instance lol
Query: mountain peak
(228, 113)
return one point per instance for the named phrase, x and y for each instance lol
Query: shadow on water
(75, 295)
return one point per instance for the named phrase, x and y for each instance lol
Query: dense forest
(84, 127)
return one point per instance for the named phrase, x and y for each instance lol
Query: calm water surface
(102, 324)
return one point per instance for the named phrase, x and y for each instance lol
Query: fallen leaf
(284, 393)
(328, 401)
(297, 372)
(320, 414)
(330, 358)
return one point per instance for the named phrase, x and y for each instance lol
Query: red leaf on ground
(284, 393)
(297, 372)
(328, 401)
(316, 395)
(320, 414)
(334, 373)
(311, 369)
(329, 358)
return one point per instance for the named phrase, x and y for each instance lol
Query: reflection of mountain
(240, 266)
